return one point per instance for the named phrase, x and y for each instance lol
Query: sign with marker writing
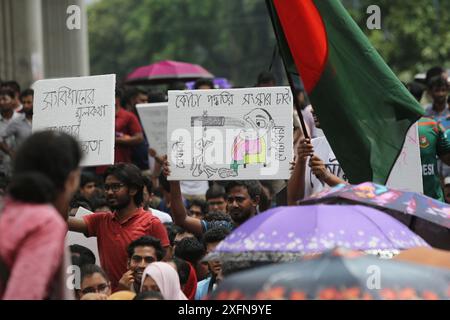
(154, 120)
(230, 134)
(83, 107)
(407, 171)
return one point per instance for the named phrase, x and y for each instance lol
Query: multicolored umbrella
(337, 276)
(427, 217)
(287, 233)
(166, 71)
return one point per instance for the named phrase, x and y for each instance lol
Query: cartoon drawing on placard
(198, 161)
(252, 144)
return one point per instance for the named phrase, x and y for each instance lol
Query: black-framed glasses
(115, 187)
(101, 288)
(138, 259)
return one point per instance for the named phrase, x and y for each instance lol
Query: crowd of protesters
(152, 234)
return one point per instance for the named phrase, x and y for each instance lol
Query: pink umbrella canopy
(166, 71)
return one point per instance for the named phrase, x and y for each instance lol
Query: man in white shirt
(147, 199)
(7, 115)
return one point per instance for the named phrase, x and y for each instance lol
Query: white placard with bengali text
(153, 117)
(230, 134)
(81, 239)
(83, 107)
(407, 171)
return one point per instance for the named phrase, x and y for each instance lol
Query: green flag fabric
(364, 110)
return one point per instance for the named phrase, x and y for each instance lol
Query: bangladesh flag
(364, 110)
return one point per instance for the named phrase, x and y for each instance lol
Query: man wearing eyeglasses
(128, 221)
(141, 253)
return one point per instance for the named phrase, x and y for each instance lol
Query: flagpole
(276, 26)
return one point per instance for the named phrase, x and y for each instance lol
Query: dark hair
(265, 77)
(87, 177)
(433, 72)
(172, 231)
(183, 270)
(264, 199)
(217, 216)
(149, 295)
(42, 165)
(199, 203)
(13, 85)
(216, 234)
(216, 191)
(437, 82)
(148, 184)
(416, 89)
(26, 93)
(177, 85)
(85, 256)
(6, 91)
(130, 175)
(163, 182)
(203, 82)
(156, 96)
(79, 201)
(190, 249)
(89, 269)
(253, 187)
(131, 93)
(147, 241)
(119, 93)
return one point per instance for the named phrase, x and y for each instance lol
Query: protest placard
(153, 117)
(407, 171)
(83, 107)
(230, 134)
(81, 239)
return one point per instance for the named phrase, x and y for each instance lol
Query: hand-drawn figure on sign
(250, 146)
(198, 162)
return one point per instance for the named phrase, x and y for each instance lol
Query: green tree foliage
(234, 38)
(414, 35)
(231, 38)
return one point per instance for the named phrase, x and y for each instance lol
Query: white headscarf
(167, 280)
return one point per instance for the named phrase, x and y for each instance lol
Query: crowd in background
(153, 234)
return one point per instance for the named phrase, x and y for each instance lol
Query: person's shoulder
(204, 282)
(427, 121)
(34, 214)
(100, 215)
(18, 119)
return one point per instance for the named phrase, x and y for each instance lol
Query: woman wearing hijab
(162, 277)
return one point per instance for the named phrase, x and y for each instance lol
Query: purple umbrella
(427, 217)
(286, 233)
(219, 83)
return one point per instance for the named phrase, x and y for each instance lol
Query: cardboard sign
(230, 134)
(83, 107)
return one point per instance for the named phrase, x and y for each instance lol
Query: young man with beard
(141, 253)
(242, 203)
(129, 221)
